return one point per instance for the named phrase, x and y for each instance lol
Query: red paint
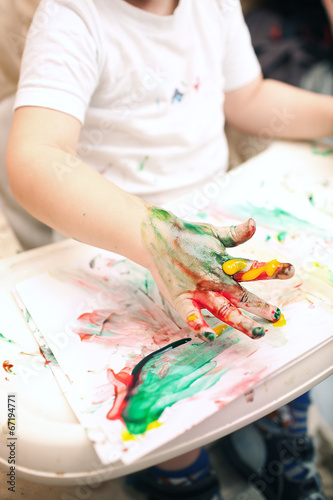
(261, 276)
(251, 353)
(194, 276)
(7, 366)
(197, 84)
(245, 384)
(160, 338)
(256, 265)
(95, 317)
(208, 301)
(109, 262)
(120, 381)
(46, 361)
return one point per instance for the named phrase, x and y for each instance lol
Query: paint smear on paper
(2, 337)
(7, 366)
(142, 164)
(322, 272)
(173, 376)
(276, 217)
(281, 236)
(48, 355)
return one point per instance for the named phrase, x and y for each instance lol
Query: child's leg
(276, 455)
(187, 476)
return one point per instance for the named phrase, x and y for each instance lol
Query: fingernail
(277, 314)
(209, 336)
(258, 331)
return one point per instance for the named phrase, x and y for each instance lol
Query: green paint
(281, 236)
(196, 228)
(83, 214)
(2, 337)
(142, 164)
(229, 242)
(276, 218)
(210, 336)
(48, 355)
(171, 377)
(185, 253)
(162, 215)
(221, 258)
(27, 316)
(258, 331)
(277, 314)
(311, 200)
(202, 215)
(321, 152)
(268, 238)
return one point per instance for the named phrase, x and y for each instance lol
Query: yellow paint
(233, 266)
(253, 274)
(219, 329)
(127, 436)
(153, 425)
(280, 322)
(269, 268)
(193, 317)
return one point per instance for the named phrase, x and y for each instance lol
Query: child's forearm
(68, 195)
(276, 109)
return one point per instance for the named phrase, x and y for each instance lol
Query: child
(119, 108)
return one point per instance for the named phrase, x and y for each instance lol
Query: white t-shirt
(148, 89)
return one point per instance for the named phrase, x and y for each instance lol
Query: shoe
(206, 488)
(266, 460)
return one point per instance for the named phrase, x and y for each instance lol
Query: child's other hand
(193, 271)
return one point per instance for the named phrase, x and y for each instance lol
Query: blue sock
(299, 410)
(189, 475)
(291, 419)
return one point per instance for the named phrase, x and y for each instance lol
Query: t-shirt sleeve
(240, 65)
(62, 58)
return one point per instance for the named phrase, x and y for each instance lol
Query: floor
(233, 486)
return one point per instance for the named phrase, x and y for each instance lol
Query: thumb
(231, 236)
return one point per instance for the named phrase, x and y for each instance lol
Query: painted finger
(252, 270)
(191, 313)
(232, 236)
(242, 298)
(222, 309)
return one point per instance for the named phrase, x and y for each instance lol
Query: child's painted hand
(193, 271)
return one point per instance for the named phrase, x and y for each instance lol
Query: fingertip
(252, 224)
(291, 271)
(249, 228)
(258, 332)
(287, 272)
(276, 314)
(209, 336)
